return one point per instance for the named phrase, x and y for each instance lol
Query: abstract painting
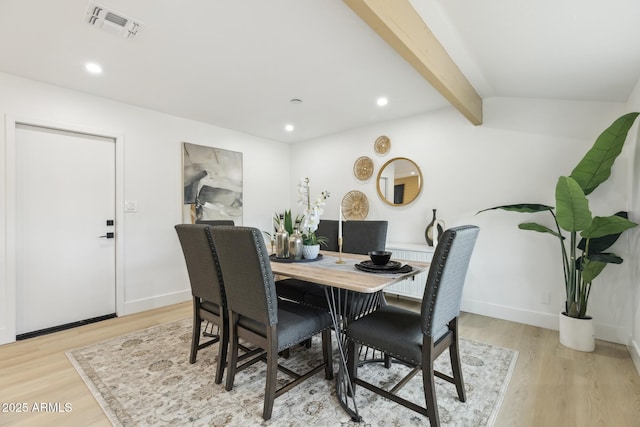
(212, 179)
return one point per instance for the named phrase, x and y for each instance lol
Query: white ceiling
(237, 63)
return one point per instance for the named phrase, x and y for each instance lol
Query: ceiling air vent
(111, 21)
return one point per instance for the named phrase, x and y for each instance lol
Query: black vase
(428, 232)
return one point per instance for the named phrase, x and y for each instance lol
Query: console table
(412, 287)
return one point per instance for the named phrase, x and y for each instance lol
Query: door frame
(8, 261)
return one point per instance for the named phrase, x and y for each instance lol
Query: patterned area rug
(145, 379)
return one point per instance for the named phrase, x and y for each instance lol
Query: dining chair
(215, 222)
(328, 228)
(256, 315)
(207, 289)
(360, 237)
(417, 339)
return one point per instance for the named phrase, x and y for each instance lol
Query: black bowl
(380, 257)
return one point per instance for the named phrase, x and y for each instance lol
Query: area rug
(145, 379)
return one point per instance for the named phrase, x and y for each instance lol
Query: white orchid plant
(312, 212)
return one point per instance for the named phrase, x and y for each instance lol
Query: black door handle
(109, 235)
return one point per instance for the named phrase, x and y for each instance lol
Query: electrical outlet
(545, 298)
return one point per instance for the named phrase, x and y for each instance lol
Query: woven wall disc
(363, 168)
(355, 205)
(382, 145)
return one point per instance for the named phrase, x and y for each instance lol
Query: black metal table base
(345, 306)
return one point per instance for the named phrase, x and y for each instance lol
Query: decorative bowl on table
(380, 257)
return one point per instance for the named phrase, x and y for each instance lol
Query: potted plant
(583, 259)
(311, 219)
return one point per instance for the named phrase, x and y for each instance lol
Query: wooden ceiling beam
(400, 25)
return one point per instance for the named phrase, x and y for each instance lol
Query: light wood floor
(551, 385)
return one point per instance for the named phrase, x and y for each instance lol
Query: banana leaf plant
(572, 215)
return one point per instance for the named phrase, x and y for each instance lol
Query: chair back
(202, 264)
(215, 222)
(328, 228)
(245, 266)
(445, 281)
(360, 237)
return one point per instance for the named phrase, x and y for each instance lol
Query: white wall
(633, 104)
(152, 266)
(515, 157)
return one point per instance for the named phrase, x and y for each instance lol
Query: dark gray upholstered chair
(207, 288)
(215, 222)
(328, 228)
(417, 339)
(360, 237)
(257, 316)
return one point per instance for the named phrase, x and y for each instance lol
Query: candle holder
(340, 260)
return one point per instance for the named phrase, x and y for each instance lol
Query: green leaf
(591, 270)
(605, 226)
(601, 244)
(572, 207)
(288, 222)
(532, 226)
(522, 208)
(595, 166)
(605, 257)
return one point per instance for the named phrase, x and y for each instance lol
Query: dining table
(351, 291)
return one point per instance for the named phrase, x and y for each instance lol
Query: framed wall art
(212, 183)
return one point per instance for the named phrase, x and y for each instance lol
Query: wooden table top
(325, 271)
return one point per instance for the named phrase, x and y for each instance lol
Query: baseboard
(634, 351)
(157, 301)
(534, 318)
(603, 332)
(64, 327)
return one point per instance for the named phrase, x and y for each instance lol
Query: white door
(65, 193)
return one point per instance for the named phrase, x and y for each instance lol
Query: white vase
(310, 251)
(577, 334)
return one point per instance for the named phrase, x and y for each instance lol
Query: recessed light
(93, 68)
(382, 101)
(289, 128)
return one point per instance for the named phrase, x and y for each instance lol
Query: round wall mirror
(399, 181)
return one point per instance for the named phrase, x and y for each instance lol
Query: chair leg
(387, 361)
(456, 367)
(327, 353)
(272, 373)
(233, 357)
(222, 352)
(195, 334)
(430, 395)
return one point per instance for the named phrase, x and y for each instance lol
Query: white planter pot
(577, 333)
(310, 251)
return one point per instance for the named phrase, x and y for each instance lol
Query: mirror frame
(420, 182)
